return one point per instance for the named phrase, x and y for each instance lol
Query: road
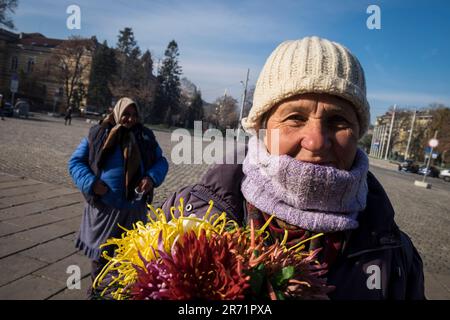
(423, 213)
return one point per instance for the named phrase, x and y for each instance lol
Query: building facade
(30, 58)
(403, 144)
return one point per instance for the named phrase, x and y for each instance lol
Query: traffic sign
(433, 143)
(14, 86)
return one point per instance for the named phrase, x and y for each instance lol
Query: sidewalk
(385, 164)
(38, 225)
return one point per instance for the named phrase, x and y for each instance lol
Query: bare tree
(441, 124)
(225, 113)
(72, 60)
(7, 7)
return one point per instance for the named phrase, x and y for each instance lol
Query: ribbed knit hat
(309, 65)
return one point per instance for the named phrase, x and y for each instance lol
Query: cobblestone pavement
(39, 215)
(39, 148)
(424, 214)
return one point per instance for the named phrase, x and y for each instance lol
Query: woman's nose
(315, 137)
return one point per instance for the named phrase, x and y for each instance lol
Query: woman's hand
(100, 188)
(146, 184)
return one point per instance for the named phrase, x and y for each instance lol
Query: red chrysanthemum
(196, 268)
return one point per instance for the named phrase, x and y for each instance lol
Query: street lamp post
(244, 96)
(390, 133)
(433, 143)
(410, 135)
(372, 141)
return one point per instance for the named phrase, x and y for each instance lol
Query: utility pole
(244, 96)
(375, 135)
(380, 141)
(429, 157)
(373, 139)
(376, 148)
(410, 135)
(383, 141)
(390, 133)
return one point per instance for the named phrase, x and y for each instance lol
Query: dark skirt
(97, 226)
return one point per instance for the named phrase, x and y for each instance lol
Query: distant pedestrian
(116, 168)
(68, 116)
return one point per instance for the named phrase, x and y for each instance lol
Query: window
(30, 65)
(14, 63)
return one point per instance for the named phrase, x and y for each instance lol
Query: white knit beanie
(309, 65)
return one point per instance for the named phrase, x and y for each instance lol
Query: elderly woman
(116, 168)
(308, 171)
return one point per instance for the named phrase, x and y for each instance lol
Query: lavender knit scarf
(312, 197)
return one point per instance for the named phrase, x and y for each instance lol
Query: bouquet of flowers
(209, 258)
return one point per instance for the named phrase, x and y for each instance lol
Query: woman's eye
(338, 121)
(296, 118)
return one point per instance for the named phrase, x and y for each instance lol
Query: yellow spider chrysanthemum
(143, 240)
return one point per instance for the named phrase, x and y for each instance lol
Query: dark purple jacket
(378, 261)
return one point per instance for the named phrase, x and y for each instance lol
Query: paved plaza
(40, 210)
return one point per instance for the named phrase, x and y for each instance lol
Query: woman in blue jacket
(116, 168)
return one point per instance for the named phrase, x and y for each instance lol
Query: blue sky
(406, 62)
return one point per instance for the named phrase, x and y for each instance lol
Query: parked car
(90, 111)
(8, 110)
(431, 172)
(408, 166)
(22, 109)
(445, 174)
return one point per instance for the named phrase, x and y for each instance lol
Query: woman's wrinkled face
(129, 116)
(316, 128)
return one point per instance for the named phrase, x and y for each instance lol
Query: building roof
(40, 41)
(29, 39)
(8, 35)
